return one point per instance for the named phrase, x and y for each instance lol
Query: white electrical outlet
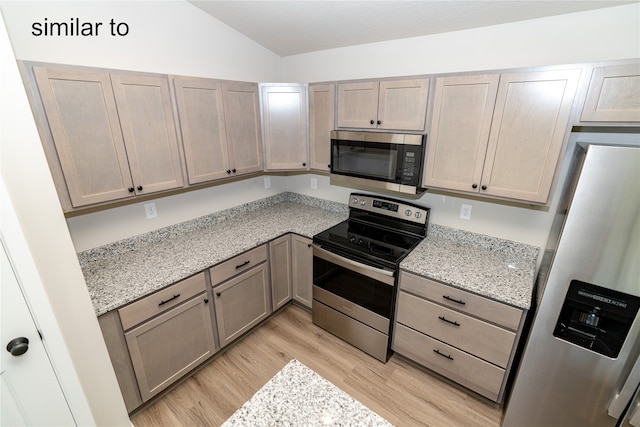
(465, 211)
(150, 210)
(314, 183)
(267, 182)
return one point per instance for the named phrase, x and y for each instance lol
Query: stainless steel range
(355, 269)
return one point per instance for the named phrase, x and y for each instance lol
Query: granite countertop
(495, 268)
(125, 271)
(297, 396)
(128, 270)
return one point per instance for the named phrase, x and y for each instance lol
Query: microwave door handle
(621, 399)
(384, 276)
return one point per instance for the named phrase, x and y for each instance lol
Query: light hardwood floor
(399, 392)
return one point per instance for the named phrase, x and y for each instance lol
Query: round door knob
(130, 189)
(304, 164)
(233, 170)
(139, 187)
(379, 122)
(229, 171)
(474, 185)
(206, 300)
(372, 122)
(18, 346)
(484, 187)
(218, 294)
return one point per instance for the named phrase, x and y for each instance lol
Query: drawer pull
(454, 323)
(459, 301)
(243, 264)
(170, 299)
(448, 356)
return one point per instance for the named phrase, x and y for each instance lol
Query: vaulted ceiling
(294, 27)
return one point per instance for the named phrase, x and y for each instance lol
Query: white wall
(596, 35)
(56, 292)
(172, 37)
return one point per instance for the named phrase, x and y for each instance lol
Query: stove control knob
(354, 201)
(352, 239)
(363, 202)
(408, 212)
(361, 242)
(418, 214)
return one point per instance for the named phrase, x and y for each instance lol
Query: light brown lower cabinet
(302, 269)
(280, 263)
(242, 302)
(465, 337)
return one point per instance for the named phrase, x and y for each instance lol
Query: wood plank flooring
(398, 391)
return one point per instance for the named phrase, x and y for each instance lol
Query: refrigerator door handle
(621, 399)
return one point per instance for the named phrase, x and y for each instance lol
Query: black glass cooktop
(368, 240)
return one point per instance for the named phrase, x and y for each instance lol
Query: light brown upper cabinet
(613, 95)
(386, 104)
(114, 134)
(503, 141)
(220, 127)
(321, 123)
(284, 121)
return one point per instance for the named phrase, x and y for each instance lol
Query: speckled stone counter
(125, 271)
(495, 268)
(297, 396)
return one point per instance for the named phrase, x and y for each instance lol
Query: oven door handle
(384, 276)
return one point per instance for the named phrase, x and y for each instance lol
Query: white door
(30, 394)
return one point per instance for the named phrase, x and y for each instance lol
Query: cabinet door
(242, 120)
(280, 263)
(284, 117)
(169, 346)
(146, 118)
(84, 123)
(530, 123)
(613, 95)
(321, 123)
(459, 133)
(302, 269)
(358, 105)
(402, 104)
(242, 303)
(202, 127)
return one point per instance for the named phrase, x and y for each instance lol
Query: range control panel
(390, 207)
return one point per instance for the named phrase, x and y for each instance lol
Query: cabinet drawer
(158, 302)
(476, 374)
(474, 336)
(475, 305)
(238, 264)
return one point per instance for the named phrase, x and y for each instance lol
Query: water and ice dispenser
(596, 318)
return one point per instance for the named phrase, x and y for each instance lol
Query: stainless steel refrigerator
(580, 365)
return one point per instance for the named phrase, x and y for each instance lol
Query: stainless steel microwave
(390, 161)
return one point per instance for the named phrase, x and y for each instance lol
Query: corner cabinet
(465, 337)
(284, 122)
(302, 269)
(384, 105)
(220, 127)
(241, 293)
(613, 94)
(321, 123)
(113, 133)
(280, 265)
(500, 135)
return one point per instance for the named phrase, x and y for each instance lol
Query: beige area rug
(297, 396)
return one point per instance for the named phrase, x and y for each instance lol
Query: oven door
(353, 301)
(357, 290)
